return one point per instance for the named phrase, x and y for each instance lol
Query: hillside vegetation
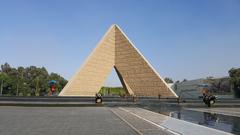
(28, 81)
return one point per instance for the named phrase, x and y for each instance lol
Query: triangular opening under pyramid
(112, 80)
(116, 51)
(113, 86)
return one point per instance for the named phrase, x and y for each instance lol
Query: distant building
(193, 88)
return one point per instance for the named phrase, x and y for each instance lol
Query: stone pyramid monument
(116, 51)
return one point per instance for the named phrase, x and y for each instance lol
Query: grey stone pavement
(94, 121)
(72, 121)
(61, 121)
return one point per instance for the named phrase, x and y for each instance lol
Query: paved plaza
(70, 121)
(60, 121)
(94, 121)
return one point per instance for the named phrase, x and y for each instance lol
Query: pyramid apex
(115, 25)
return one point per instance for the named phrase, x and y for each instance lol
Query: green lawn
(112, 91)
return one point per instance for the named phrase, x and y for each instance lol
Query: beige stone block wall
(93, 73)
(136, 71)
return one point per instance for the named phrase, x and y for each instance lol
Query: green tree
(168, 80)
(5, 68)
(5, 81)
(234, 74)
(27, 81)
(20, 88)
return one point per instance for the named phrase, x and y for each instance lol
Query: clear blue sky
(181, 38)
